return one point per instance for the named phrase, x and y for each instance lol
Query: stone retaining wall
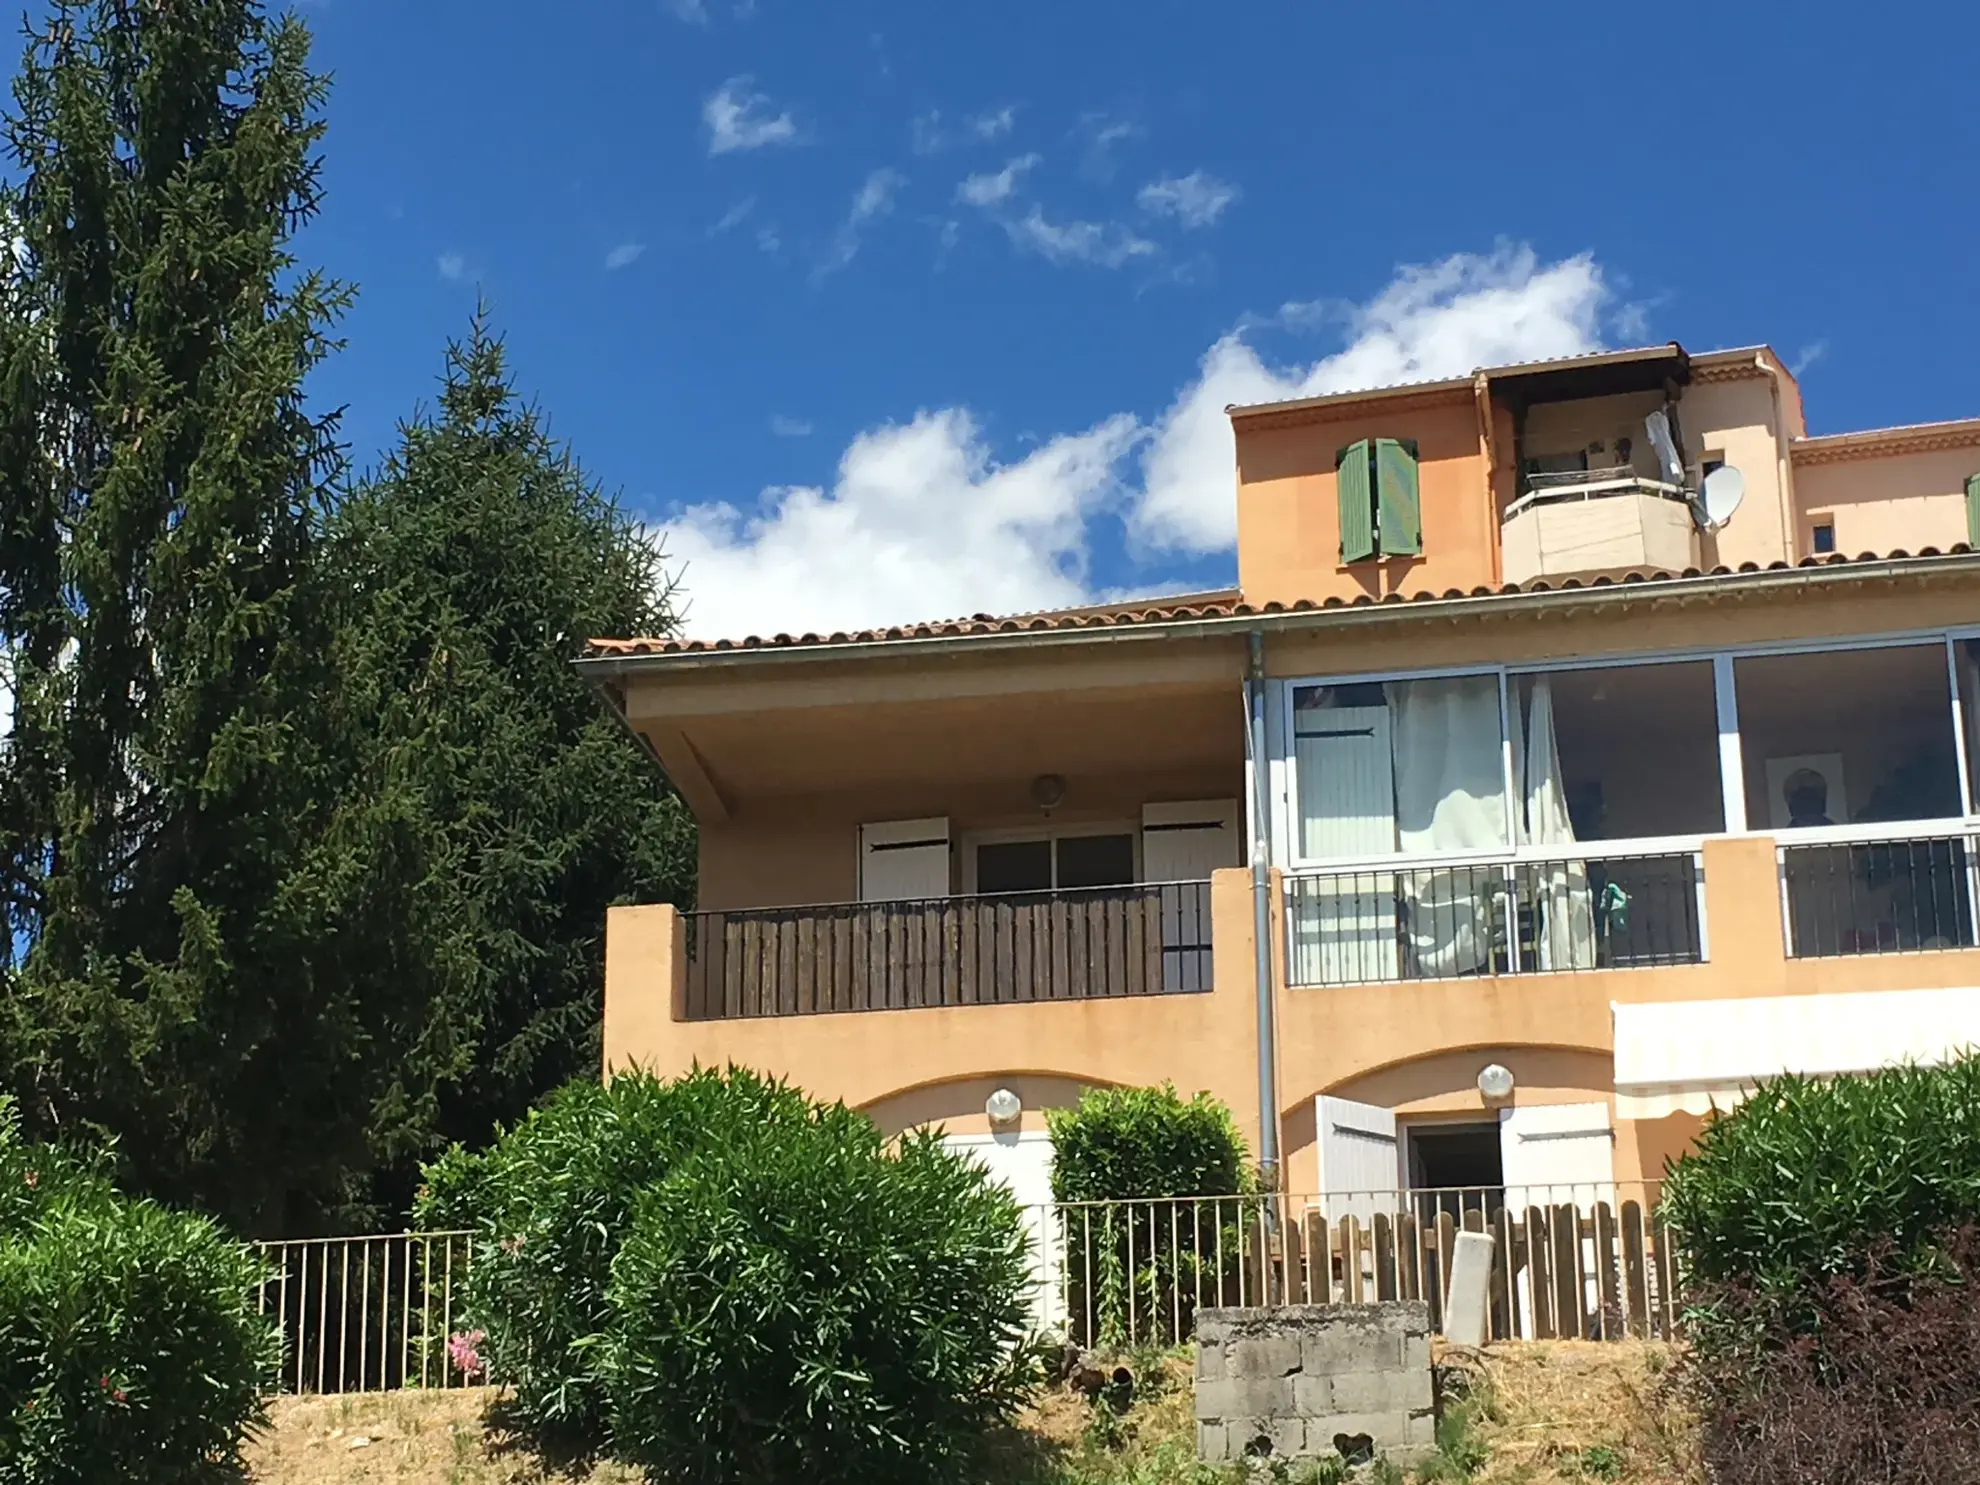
(1302, 1381)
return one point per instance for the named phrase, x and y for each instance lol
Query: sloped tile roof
(1220, 605)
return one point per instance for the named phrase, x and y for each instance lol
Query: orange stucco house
(1582, 742)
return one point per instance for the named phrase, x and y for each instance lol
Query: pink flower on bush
(464, 1350)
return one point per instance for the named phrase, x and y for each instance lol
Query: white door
(903, 860)
(1557, 1156)
(1343, 927)
(1553, 1154)
(1021, 1161)
(1185, 843)
(1360, 1163)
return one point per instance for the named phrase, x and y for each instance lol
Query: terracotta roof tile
(1206, 606)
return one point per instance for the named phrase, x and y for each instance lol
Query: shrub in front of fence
(130, 1348)
(548, 1205)
(1808, 1177)
(719, 1278)
(1135, 1272)
(796, 1301)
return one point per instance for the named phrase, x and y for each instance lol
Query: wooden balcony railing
(1085, 944)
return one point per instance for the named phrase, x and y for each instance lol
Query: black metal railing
(1878, 897)
(1084, 944)
(1391, 924)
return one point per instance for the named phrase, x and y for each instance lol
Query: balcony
(1008, 948)
(1512, 916)
(1884, 893)
(1585, 521)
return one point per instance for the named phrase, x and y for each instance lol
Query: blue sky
(885, 310)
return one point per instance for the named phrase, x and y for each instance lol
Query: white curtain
(1450, 796)
(1564, 923)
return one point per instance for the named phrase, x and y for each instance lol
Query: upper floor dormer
(1648, 460)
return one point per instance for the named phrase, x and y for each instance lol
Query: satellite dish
(1721, 493)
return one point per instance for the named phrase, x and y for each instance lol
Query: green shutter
(1399, 516)
(1357, 503)
(1973, 511)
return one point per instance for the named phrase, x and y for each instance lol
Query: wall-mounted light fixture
(1003, 1107)
(1048, 791)
(1496, 1081)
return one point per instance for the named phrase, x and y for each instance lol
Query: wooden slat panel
(1539, 1275)
(1607, 1252)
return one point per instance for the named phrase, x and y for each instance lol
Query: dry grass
(1559, 1413)
(402, 1438)
(1582, 1411)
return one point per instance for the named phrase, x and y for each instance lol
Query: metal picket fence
(1593, 1262)
(366, 1314)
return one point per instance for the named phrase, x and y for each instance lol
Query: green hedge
(130, 1347)
(723, 1281)
(1122, 1143)
(1807, 1177)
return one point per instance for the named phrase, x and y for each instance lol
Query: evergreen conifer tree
(167, 779)
(505, 806)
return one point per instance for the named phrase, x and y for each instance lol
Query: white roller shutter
(904, 860)
(1186, 842)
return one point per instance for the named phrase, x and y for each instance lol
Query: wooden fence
(1145, 939)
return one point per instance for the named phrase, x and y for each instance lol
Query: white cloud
(695, 12)
(733, 217)
(874, 198)
(1808, 356)
(740, 119)
(452, 266)
(1102, 134)
(1195, 200)
(1432, 321)
(926, 134)
(768, 240)
(785, 427)
(925, 521)
(994, 124)
(624, 255)
(921, 521)
(994, 187)
(1108, 245)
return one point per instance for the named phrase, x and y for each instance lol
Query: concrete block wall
(1303, 1381)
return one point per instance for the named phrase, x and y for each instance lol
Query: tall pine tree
(505, 807)
(175, 969)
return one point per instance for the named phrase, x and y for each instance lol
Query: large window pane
(1410, 766)
(1617, 753)
(1014, 866)
(1847, 737)
(1095, 860)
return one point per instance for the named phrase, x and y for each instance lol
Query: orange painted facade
(1001, 742)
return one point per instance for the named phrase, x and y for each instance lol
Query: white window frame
(1019, 834)
(1283, 763)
